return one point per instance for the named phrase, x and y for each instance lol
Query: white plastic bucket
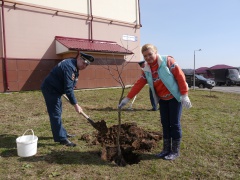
(27, 144)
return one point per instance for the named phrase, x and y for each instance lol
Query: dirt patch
(133, 140)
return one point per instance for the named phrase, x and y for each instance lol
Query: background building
(36, 35)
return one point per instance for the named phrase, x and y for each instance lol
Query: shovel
(100, 126)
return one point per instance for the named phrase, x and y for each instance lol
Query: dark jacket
(63, 78)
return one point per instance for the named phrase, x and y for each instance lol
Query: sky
(179, 27)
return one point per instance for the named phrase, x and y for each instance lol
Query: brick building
(36, 35)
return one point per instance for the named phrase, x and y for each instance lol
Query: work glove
(186, 101)
(123, 102)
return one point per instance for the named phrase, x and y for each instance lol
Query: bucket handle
(27, 131)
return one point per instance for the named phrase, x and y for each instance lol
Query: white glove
(123, 102)
(186, 101)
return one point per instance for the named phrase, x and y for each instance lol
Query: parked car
(200, 81)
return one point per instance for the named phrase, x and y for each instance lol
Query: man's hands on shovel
(100, 126)
(78, 108)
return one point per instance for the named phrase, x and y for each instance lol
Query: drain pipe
(139, 13)
(91, 26)
(4, 47)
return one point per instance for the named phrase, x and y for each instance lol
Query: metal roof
(216, 67)
(91, 46)
(221, 66)
(201, 70)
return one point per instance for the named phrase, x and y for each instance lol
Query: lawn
(209, 150)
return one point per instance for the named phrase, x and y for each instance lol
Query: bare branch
(116, 73)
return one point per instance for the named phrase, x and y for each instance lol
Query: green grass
(209, 150)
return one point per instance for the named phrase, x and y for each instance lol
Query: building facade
(36, 35)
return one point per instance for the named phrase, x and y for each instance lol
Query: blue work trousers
(170, 113)
(54, 108)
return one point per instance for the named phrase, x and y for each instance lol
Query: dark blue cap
(87, 57)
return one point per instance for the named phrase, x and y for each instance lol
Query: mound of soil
(133, 140)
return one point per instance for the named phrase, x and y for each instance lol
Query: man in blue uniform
(62, 80)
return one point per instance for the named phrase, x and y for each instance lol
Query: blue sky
(178, 27)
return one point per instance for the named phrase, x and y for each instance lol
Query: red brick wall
(1, 76)
(24, 75)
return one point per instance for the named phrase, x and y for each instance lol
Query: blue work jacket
(63, 78)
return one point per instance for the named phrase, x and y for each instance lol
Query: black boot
(166, 148)
(66, 142)
(175, 150)
(70, 135)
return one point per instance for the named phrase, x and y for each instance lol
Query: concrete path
(231, 89)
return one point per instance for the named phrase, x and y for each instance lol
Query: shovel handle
(66, 97)
(86, 116)
(96, 126)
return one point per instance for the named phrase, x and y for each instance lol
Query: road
(231, 89)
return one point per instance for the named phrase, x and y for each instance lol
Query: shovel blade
(100, 126)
